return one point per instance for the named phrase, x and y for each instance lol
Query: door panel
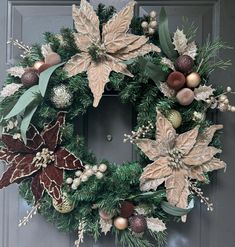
(27, 20)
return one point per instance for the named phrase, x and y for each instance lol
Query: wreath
(166, 78)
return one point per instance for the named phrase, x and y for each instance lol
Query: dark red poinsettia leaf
(15, 145)
(24, 168)
(6, 177)
(51, 134)
(66, 160)
(34, 139)
(9, 157)
(50, 182)
(37, 187)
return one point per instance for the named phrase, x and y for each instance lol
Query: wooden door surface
(26, 20)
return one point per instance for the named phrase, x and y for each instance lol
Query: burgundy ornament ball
(176, 80)
(127, 209)
(184, 64)
(29, 78)
(138, 223)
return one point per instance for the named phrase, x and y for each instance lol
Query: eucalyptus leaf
(28, 114)
(165, 37)
(175, 211)
(45, 77)
(25, 100)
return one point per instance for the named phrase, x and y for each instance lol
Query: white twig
(29, 216)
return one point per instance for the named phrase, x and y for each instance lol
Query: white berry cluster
(150, 28)
(141, 132)
(83, 176)
(221, 102)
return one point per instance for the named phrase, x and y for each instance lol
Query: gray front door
(26, 20)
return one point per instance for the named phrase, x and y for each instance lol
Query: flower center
(97, 52)
(175, 158)
(44, 158)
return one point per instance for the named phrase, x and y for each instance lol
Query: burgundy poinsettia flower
(41, 158)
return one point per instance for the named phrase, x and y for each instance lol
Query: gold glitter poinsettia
(178, 158)
(104, 52)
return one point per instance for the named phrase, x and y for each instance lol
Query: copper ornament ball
(38, 64)
(138, 223)
(29, 78)
(44, 67)
(120, 223)
(184, 64)
(185, 96)
(193, 80)
(53, 58)
(176, 80)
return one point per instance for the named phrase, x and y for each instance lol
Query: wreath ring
(165, 77)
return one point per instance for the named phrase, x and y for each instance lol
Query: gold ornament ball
(66, 206)
(120, 223)
(175, 118)
(38, 64)
(193, 80)
(153, 14)
(144, 24)
(153, 24)
(151, 31)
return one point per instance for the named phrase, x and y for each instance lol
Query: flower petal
(118, 67)
(152, 149)
(17, 171)
(98, 76)
(165, 133)
(66, 160)
(200, 155)
(52, 178)
(77, 64)
(10, 157)
(151, 184)
(214, 164)
(196, 172)
(86, 21)
(120, 22)
(37, 188)
(186, 141)
(83, 42)
(205, 138)
(156, 170)
(15, 145)
(51, 133)
(34, 139)
(143, 50)
(175, 187)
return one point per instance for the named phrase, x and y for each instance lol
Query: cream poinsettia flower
(178, 158)
(104, 52)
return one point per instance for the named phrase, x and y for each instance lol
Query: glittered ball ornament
(61, 97)
(193, 80)
(176, 80)
(127, 209)
(184, 64)
(120, 223)
(66, 206)
(53, 58)
(138, 223)
(29, 78)
(185, 96)
(175, 118)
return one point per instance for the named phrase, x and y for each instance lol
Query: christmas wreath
(166, 78)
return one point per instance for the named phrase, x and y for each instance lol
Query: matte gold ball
(193, 80)
(175, 118)
(144, 24)
(153, 14)
(52, 58)
(185, 96)
(38, 64)
(151, 31)
(153, 24)
(65, 207)
(120, 223)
